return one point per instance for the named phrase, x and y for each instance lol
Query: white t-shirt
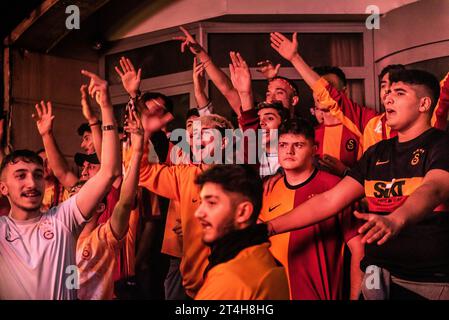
(37, 256)
(269, 164)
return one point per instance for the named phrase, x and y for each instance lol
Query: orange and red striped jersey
(365, 122)
(390, 172)
(312, 256)
(339, 142)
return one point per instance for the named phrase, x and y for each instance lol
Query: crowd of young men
(360, 194)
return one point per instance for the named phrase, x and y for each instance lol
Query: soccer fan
(241, 266)
(268, 116)
(338, 147)
(313, 256)
(370, 126)
(406, 182)
(177, 183)
(34, 241)
(98, 243)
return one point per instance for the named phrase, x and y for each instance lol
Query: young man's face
(23, 183)
(384, 87)
(318, 113)
(89, 170)
(87, 143)
(402, 105)
(295, 152)
(216, 212)
(280, 90)
(204, 147)
(269, 120)
(189, 128)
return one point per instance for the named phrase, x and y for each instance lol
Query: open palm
(130, 78)
(240, 74)
(285, 47)
(44, 117)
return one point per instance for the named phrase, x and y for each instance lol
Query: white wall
(162, 14)
(412, 33)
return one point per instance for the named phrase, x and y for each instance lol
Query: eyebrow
(268, 114)
(400, 89)
(207, 197)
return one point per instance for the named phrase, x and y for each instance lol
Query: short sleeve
(359, 171)
(69, 215)
(439, 154)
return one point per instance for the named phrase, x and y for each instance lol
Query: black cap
(80, 158)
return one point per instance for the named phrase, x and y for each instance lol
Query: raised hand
(189, 42)
(286, 48)
(130, 78)
(199, 80)
(86, 108)
(98, 88)
(267, 68)
(44, 117)
(135, 129)
(240, 74)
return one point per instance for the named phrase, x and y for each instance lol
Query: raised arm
(318, 208)
(120, 216)
(439, 117)
(92, 119)
(218, 77)
(44, 120)
(130, 78)
(288, 49)
(241, 80)
(97, 186)
(199, 84)
(352, 115)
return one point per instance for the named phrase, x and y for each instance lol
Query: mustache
(32, 190)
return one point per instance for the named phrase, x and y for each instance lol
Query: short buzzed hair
(236, 178)
(21, 155)
(421, 78)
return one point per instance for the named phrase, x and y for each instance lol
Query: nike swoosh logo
(378, 163)
(194, 200)
(272, 208)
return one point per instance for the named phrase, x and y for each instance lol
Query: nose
(199, 213)
(270, 97)
(388, 99)
(84, 172)
(290, 150)
(31, 182)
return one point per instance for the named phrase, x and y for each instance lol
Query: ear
(100, 208)
(244, 212)
(295, 100)
(314, 148)
(3, 188)
(424, 104)
(346, 91)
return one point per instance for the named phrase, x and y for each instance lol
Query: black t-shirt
(390, 171)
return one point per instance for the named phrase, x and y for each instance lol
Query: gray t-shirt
(37, 256)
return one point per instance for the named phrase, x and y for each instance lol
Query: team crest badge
(416, 156)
